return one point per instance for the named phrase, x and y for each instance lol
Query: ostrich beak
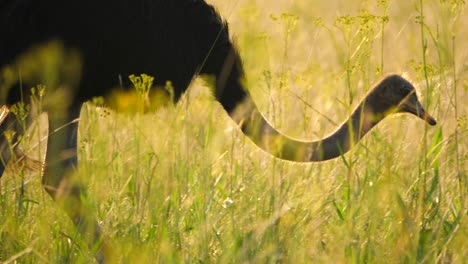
(417, 109)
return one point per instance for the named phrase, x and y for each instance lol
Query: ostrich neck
(337, 143)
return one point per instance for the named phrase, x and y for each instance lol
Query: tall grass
(175, 185)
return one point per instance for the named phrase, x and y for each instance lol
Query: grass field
(175, 185)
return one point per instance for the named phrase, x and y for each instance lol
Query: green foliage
(142, 85)
(359, 33)
(182, 184)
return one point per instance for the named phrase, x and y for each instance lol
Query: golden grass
(178, 186)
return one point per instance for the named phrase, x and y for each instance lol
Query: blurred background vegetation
(182, 184)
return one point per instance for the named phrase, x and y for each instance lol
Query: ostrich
(173, 40)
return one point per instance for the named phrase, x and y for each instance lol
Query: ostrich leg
(7, 122)
(58, 181)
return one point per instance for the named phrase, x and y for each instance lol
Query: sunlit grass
(177, 186)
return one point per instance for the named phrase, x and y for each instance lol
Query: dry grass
(177, 186)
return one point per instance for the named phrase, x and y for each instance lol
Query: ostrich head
(394, 94)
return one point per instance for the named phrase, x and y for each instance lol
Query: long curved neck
(337, 143)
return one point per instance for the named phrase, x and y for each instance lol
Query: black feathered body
(172, 40)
